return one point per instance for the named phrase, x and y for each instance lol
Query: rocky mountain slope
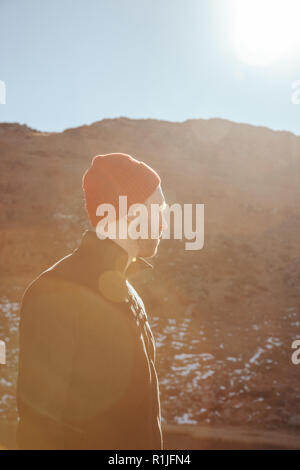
(225, 316)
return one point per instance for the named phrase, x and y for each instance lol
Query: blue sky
(71, 62)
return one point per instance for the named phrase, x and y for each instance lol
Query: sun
(265, 30)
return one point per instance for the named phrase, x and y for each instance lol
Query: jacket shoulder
(51, 295)
(44, 279)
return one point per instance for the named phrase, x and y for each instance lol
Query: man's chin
(149, 250)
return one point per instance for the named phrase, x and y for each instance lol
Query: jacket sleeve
(76, 353)
(103, 359)
(47, 326)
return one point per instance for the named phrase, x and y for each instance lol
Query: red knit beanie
(113, 175)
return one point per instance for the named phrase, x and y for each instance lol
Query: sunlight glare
(265, 30)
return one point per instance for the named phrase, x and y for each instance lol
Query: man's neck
(130, 247)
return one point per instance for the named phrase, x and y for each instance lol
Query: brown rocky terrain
(224, 317)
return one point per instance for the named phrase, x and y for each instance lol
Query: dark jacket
(87, 378)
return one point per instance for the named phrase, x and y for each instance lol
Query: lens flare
(264, 31)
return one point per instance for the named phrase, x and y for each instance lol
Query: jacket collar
(107, 254)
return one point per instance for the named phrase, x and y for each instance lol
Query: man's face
(147, 248)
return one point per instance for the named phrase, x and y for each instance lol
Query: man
(87, 377)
